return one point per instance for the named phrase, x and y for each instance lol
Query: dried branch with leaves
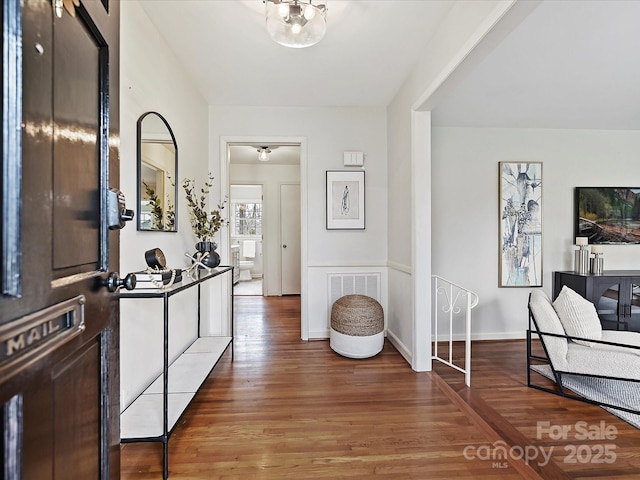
(205, 223)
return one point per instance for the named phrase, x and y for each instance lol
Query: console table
(615, 293)
(153, 415)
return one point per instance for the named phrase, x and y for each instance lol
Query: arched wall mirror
(157, 174)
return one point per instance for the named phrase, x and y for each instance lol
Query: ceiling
(362, 60)
(569, 64)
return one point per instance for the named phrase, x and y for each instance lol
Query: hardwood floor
(288, 409)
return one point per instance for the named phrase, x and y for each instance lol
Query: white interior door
(290, 239)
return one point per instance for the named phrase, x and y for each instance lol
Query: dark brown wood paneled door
(59, 385)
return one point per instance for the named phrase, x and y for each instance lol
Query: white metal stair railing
(451, 294)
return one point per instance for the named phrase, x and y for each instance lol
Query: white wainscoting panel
(341, 284)
(332, 282)
(353, 283)
(400, 315)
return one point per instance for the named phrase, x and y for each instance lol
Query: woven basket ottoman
(357, 326)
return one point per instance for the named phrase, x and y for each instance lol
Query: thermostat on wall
(353, 159)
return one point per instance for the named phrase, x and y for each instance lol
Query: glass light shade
(283, 10)
(309, 12)
(263, 154)
(302, 24)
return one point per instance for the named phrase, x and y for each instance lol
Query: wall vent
(341, 284)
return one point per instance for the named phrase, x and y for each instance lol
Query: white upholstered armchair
(574, 344)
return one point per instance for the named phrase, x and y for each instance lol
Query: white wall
(328, 132)
(270, 177)
(465, 208)
(152, 80)
(466, 24)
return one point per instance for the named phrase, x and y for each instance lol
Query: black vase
(213, 259)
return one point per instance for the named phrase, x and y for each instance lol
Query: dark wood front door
(59, 385)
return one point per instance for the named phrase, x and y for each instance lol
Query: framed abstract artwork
(520, 220)
(345, 200)
(608, 215)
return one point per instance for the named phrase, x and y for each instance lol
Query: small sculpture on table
(581, 264)
(197, 260)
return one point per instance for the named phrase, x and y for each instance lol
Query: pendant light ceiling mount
(263, 153)
(296, 23)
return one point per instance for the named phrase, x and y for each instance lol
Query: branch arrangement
(205, 223)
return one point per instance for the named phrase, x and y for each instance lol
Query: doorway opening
(264, 176)
(245, 229)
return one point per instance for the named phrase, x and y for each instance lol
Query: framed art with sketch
(520, 220)
(345, 200)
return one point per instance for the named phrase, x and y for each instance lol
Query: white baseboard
(401, 347)
(319, 335)
(406, 353)
(460, 337)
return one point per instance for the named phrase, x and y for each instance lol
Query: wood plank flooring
(288, 409)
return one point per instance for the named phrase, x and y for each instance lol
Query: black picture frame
(607, 215)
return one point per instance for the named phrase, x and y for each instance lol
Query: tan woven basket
(357, 315)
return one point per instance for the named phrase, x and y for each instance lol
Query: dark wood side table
(615, 293)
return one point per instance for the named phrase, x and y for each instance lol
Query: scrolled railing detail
(445, 288)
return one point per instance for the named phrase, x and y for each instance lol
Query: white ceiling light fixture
(263, 154)
(296, 23)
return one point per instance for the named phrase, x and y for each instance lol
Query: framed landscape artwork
(345, 200)
(520, 220)
(608, 215)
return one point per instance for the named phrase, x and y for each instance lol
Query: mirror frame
(139, 171)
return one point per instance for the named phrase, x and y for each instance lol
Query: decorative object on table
(345, 200)
(157, 275)
(208, 255)
(205, 223)
(155, 258)
(597, 261)
(520, 241)
(581, 264)
(607, 215)
(196, 263)
(155, 278)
